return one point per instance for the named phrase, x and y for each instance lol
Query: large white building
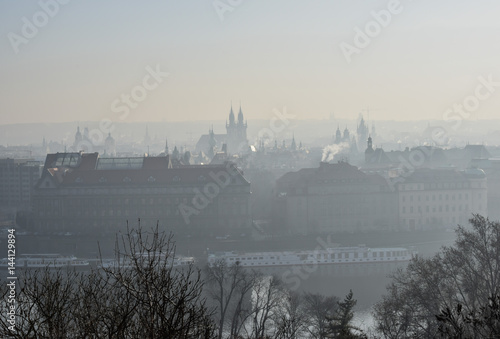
(341, 198)
(335, 198)
(432, 198)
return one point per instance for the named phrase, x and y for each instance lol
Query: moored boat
(328, 256)
(178, 261)
(51, 260)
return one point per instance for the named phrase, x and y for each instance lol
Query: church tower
(110, 146)
(78, 139)
(362, 130)
(236, 133)
(347, 136)
(338, 136)
(242, 128)
(369, 150)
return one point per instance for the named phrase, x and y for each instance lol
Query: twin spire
(232, 118)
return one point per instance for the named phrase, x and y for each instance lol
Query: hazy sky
(87, 56)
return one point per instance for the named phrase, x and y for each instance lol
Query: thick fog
(266, 159)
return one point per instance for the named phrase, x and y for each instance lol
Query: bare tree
(466, 274)
(414, 296)
(103, 309)
(230, 286)
(459, 323)
(319, 308)
(168, 300)
(242, 308)
(142, 296)
(291, 318)
(267, 297)
(43, 305)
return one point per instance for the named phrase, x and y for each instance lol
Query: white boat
(328, 256)
(43, 260)
(178, 261)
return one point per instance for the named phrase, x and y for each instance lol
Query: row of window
(153, 212)
(439, 208)
(435, 197)
(451, 185)
(148, 190)
(451, 220)
(345, 255)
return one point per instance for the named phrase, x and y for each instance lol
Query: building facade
(341, 198)
(234, 141)
(334, 198)
(83, 193)
(17, 181)
(435, 198)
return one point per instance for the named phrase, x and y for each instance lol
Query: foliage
(458, 323)
(319, 309)
(455, 284)
(340, 325)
